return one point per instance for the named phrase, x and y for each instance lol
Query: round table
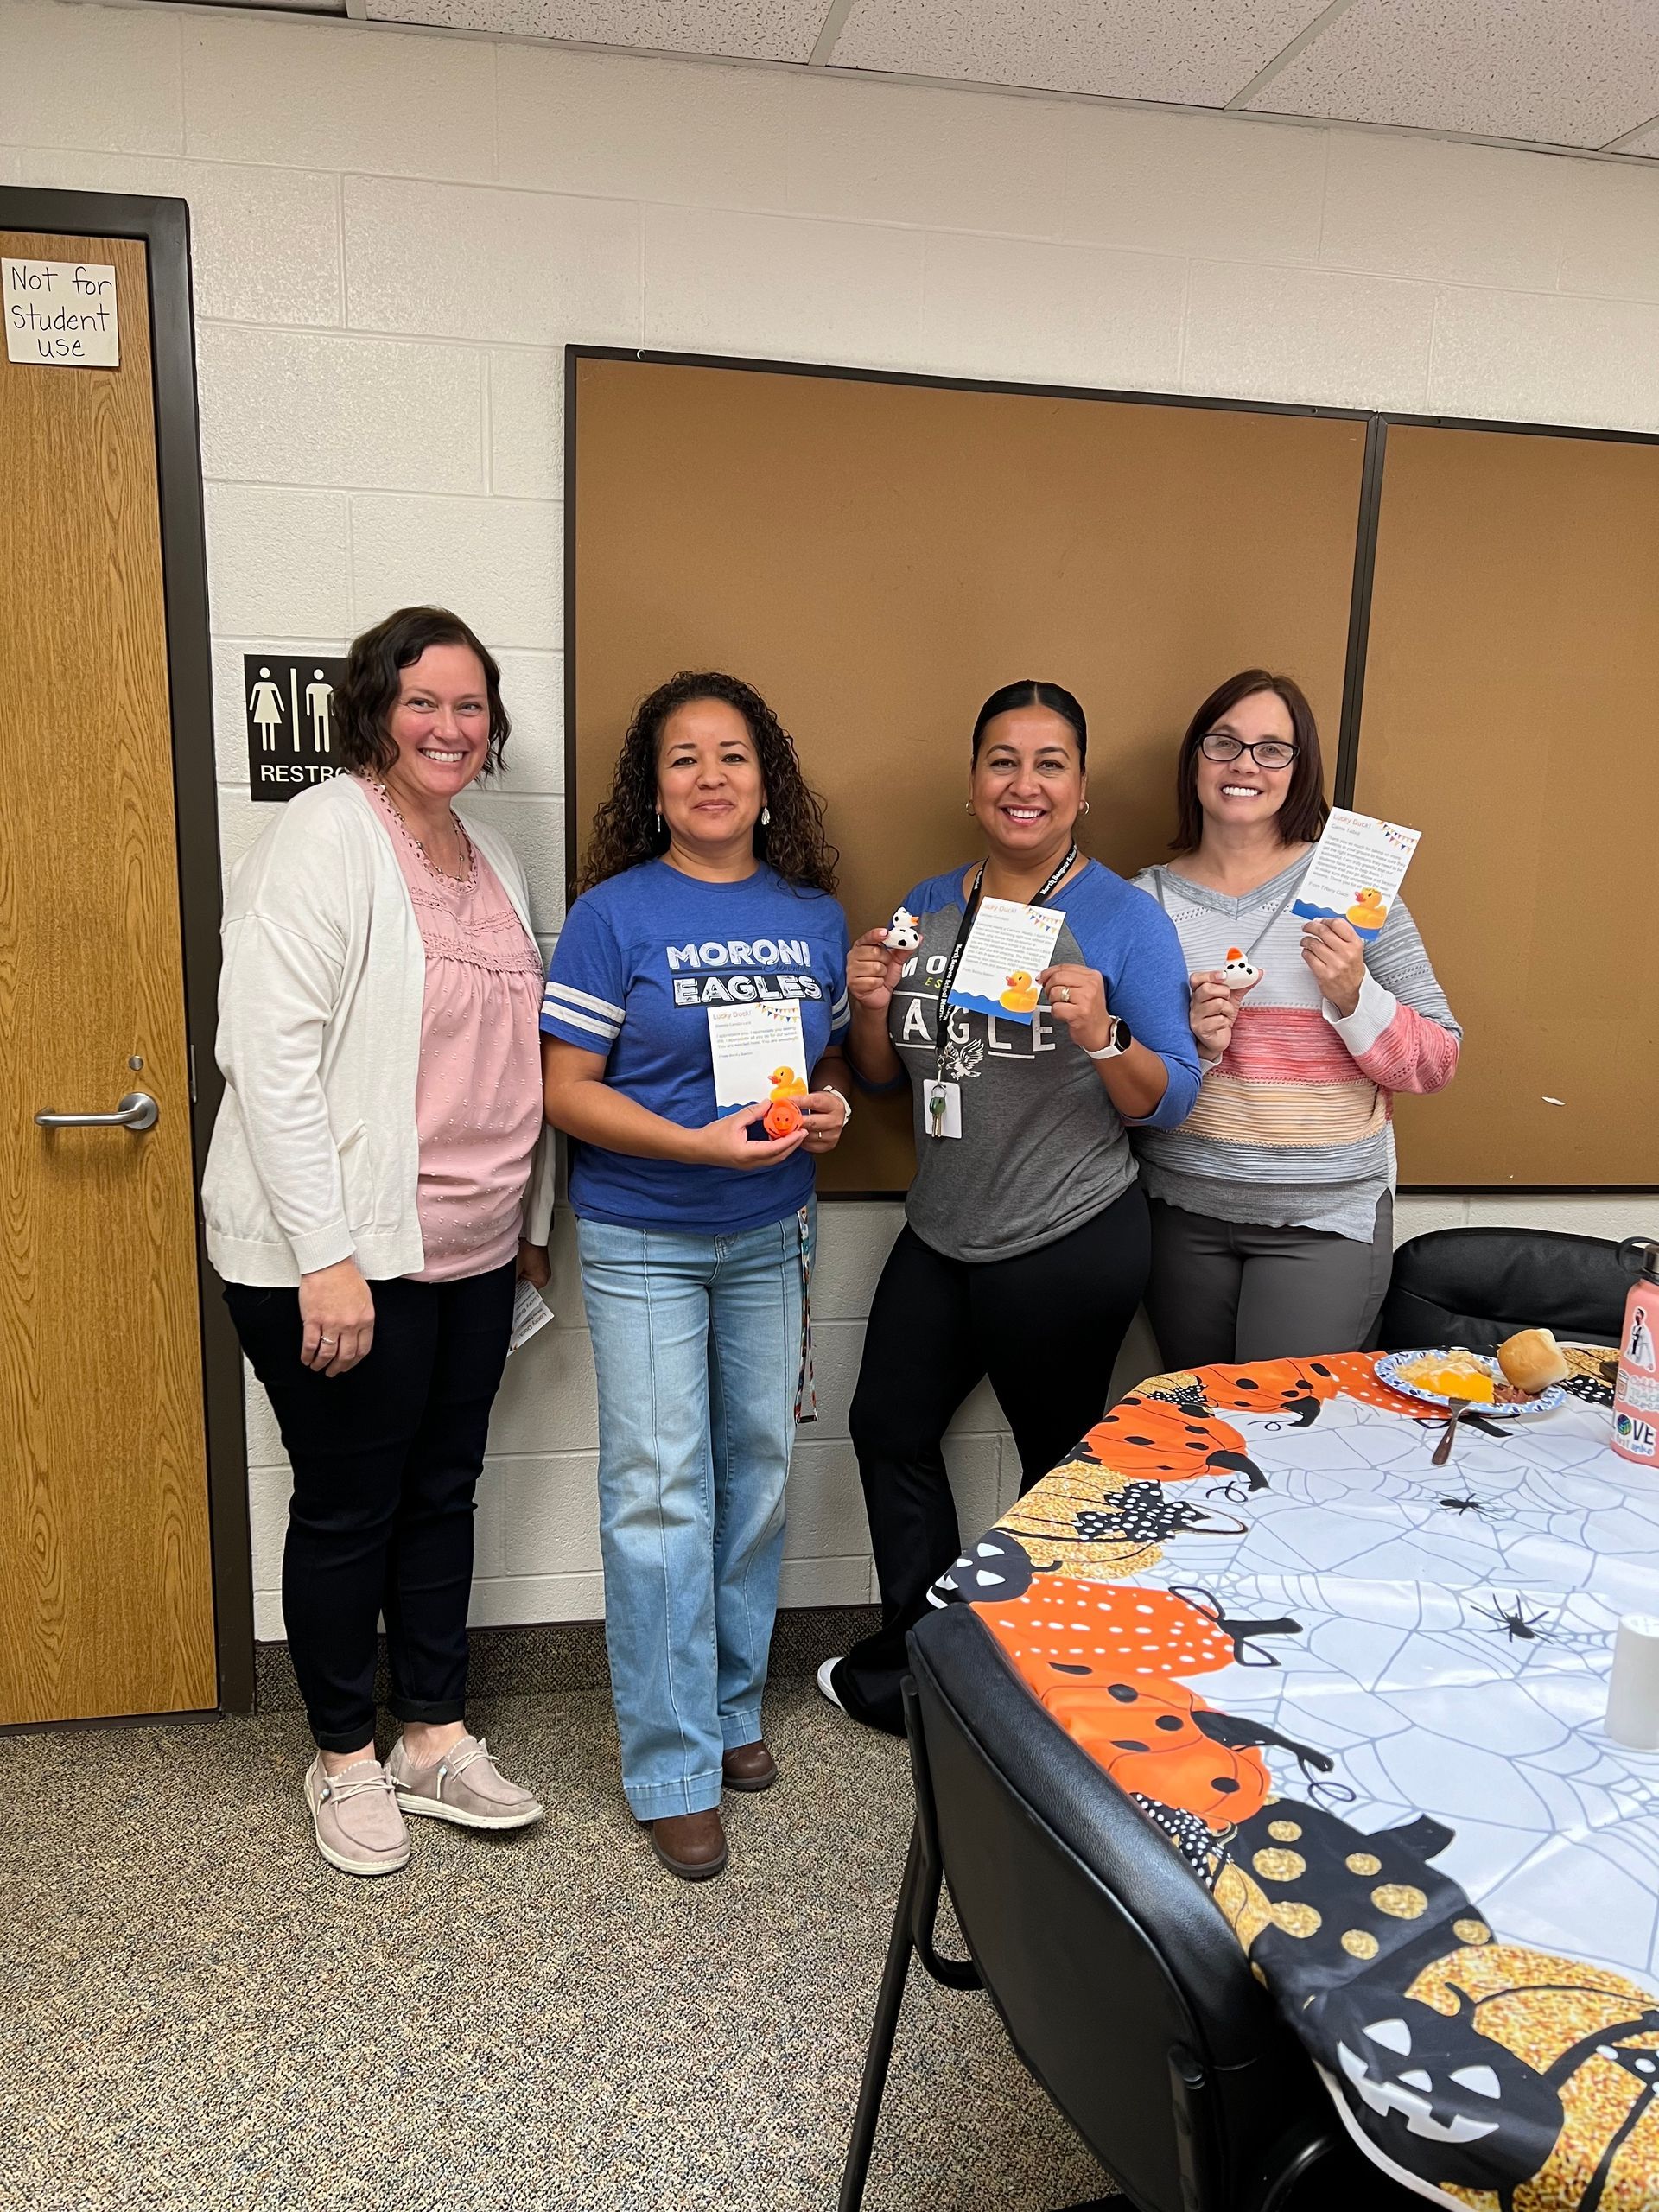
(1363, 1697)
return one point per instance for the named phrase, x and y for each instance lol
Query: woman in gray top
(1024, 1253)
(1272, 1205)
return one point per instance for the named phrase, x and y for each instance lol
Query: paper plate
(1387, 1371)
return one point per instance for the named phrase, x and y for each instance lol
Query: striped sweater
(1292, 1128)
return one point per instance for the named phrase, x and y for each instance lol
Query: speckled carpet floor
(194, 2010)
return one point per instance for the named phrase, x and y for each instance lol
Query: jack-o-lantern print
(1592, 2036)
(1434, 2094)
(1063, 1629)
(991, 1572)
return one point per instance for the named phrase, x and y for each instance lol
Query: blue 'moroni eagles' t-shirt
(640, 960)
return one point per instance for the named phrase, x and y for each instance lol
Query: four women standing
(369, 1191)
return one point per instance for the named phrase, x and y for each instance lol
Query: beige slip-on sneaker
(355, 1817)
(465, 1786)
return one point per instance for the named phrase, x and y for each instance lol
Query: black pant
(1046, 1328)
(386, 1459)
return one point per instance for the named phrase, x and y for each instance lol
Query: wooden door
(105, 1577)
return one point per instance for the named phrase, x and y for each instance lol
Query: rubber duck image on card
(1354, 874)
(1008, 948)
(759, 1056)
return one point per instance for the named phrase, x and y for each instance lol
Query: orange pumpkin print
(1159, 1442)
(1065, 1629)
(1147, 1735)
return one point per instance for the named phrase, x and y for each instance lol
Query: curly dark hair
(625, 829)
(367, 692)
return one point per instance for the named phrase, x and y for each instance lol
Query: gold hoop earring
(1084, 809)
(967, 806)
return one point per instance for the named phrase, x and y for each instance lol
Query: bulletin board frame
(1377, 422)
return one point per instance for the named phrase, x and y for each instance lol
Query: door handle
(138, 1110)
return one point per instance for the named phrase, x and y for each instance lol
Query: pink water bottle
(1636, 1393)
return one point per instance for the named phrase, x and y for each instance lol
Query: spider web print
(1391, 1661)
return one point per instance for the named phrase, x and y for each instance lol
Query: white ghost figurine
(1238, 973)
(904, 932)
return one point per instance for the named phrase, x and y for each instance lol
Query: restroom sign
(289, 708)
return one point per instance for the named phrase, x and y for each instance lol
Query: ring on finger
(1064, 995)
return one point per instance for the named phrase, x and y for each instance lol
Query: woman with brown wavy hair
(369, 1206)
(707, 910)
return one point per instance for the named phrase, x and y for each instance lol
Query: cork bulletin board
(1508, 712)
(877, 555)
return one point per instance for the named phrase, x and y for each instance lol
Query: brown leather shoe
(690, 1844)
(751, 1766)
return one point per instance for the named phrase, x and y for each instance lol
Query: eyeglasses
(1266, 753)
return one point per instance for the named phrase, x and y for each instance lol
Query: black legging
(386, 1459)
(1046, 1328)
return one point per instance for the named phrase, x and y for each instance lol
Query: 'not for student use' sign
(290, 716)
(60, 314)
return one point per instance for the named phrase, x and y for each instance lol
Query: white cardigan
(314, 1156)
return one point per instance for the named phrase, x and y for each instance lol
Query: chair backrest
(1475, 1287)
(1111, 1965)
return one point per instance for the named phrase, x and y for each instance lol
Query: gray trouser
(1226, 1291)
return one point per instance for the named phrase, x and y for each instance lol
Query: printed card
(1008, 948)
(530, 1312)
(1358, 868)
(760, 1054)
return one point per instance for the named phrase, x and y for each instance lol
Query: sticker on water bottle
(1638, 1438)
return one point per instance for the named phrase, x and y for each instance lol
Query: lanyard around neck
(965, 925)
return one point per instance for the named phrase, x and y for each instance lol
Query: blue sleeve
(841, 1006)
(1153, 995)
(584, 1002)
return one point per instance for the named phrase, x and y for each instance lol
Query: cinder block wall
(396, 231)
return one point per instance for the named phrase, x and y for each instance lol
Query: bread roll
(1532, 1360)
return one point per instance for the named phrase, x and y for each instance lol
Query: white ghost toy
(1238, 973)
(904, 932)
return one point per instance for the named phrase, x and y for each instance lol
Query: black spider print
(1521, 1625)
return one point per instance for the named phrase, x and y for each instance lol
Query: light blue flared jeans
(697, 1344)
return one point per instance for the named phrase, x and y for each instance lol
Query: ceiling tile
(1645, 141)
(1196, 51)
(760, 30)
(1565, 73)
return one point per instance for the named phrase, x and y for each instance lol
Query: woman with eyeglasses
(1272, 1205)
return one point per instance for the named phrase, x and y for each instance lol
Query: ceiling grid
(1573, 76)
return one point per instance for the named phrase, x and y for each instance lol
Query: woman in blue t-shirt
(707, 911)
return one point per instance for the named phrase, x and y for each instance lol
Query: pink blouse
(478, 1096)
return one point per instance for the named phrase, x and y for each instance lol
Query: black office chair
(1475, 1287)
(1120, 1987)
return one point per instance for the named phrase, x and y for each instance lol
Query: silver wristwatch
(1117, 1042)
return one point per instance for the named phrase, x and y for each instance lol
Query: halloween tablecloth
(1362, 1697)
